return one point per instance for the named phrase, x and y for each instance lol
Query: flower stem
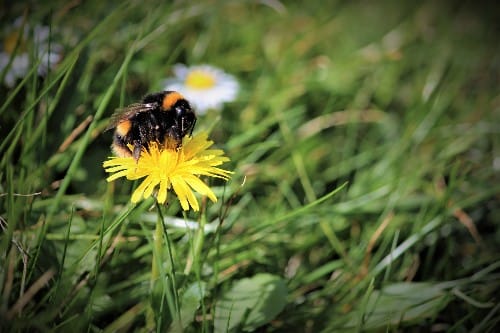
(157, 243)
(165, 307)
(199, 240)
(155, 269)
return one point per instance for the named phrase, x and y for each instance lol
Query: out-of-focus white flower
(204, 86)
(33, 45)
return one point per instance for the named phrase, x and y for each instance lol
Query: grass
(365, 195)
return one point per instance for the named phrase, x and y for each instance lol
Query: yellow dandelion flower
(177, 169)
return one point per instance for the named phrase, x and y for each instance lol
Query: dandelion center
(200, 79)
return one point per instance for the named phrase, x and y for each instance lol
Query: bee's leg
(178, 140)
(168, 141)
(192, 127)
(137, 151)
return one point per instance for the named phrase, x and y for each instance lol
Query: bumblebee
(164, 117)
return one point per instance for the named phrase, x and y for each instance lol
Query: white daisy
(205, 86)
(41, 47)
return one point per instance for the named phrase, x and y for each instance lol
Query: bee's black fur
(149, 121)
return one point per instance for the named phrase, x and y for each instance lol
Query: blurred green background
(365, 148)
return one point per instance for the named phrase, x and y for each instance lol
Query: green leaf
(159, 303)
(250, 303)
(190, 302)
(398, 303)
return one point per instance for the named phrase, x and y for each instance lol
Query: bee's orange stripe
(121, 151)
(123, 128)
(170, 99)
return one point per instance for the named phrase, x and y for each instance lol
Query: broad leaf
(190, 302)
(250, 303)
(397, 303)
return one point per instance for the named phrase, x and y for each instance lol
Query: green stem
(199, 240)
(155, 269)
(172, 296)
(164, 295)
(157, 239)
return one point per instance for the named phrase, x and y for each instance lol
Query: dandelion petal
(179, 169)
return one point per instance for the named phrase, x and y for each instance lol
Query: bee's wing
(128, 112)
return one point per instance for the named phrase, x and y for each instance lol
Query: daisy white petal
(205, 86)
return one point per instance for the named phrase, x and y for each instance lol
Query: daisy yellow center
(200, 79)
(9, 44)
